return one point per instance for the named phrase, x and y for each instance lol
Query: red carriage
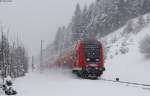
(86, 59)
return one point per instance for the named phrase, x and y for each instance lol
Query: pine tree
(4, 47)
(77, 24)
(145, 46)
(59, 40)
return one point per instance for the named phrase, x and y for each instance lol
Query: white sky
(34, 20)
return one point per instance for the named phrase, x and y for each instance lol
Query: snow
(58, 84)
(130, 66)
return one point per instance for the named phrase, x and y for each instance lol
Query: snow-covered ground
(57, 84)
(130, 67)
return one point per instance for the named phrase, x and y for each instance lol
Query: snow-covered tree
(13, 60)
(59, 39)
(19, 61)
(141, 22)
(129, 27)
(77, 27)
(4, 56)
(145, 46)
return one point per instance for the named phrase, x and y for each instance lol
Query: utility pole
(41, 57)
(33, 67)
(8, 55)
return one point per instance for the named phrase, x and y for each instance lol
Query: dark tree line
(13, 59)
(99, 19)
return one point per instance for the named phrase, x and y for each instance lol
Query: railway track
(132, 84)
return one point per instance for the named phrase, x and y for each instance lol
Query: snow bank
(54, 85)
(124, 59)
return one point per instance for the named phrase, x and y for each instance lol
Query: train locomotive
(86, 59)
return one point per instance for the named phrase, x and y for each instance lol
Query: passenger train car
(86, 59)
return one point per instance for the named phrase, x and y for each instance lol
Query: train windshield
(92, 53)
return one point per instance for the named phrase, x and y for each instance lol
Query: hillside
(123, 56)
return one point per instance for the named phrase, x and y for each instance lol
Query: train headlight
(97, 59)
(87, 59)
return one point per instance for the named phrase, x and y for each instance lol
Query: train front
(93, 59)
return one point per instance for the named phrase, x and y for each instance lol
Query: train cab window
(92, 53)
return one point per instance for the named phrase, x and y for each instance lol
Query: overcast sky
(34, 20)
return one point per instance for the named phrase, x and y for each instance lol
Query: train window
(92, 53)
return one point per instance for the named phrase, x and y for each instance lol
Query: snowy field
(56, 84)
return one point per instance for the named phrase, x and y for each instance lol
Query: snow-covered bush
(148, 18)
(124, 50)
(140, 24)
(123, 47)
(129, 27)
(145, 46)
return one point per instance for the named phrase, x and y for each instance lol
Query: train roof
(90, 41)
(86, 41)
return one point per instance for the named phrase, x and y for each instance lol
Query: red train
(86, 59)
